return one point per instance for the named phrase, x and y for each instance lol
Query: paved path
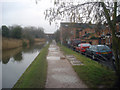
(60, 73)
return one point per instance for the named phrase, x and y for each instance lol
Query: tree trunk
(115, 41)
(116, 49)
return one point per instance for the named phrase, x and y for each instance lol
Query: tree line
(19, 32)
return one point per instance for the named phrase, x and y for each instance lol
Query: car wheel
(80, 52)
(83, 53)
(93, 57)
(86, 54)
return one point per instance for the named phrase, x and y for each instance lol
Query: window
(94, 48)
(106, 40)
(103, 33)
(79, 45)
(119, 27)
(91, 48)
(101, 48)
(85, 45)
(77, 33)
(109, 40)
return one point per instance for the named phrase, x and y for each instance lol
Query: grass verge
(35, 74)
(92, 73)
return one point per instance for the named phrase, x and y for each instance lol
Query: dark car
(99, 52)
(74, 43)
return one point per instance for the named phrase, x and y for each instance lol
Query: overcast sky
(26, 13)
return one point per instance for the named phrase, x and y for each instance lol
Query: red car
(82, 47)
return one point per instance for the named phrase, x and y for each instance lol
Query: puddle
(53, 49)
(53, 58)
(62, 58)
(76, 63)
(70, 56)
(65, 78)
(60, 69)
(53, 54)
(73, 60)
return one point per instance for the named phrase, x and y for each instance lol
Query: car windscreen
(103, 48)
(85, 45)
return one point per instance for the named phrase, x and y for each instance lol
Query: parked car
(82, 47)
(74, 43)
(99, 52)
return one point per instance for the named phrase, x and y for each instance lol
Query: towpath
(60, 73)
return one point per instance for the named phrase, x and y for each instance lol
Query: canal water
(16, 61)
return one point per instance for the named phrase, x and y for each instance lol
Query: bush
(5, 31)
(16, 32)
(24, 44)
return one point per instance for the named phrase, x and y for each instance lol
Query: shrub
(24, 44)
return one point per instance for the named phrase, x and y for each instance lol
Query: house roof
(77, 25)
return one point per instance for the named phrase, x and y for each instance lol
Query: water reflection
(17, 53)
(7, 54)
(5, 60)
(32, 48)
(18, 57)
(15, 62)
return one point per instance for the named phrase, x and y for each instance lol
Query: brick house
(86, 32)
(76, 31)
(106, 34)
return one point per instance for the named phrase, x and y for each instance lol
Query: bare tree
(90, 12)
(115, 39)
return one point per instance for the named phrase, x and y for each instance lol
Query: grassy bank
(10, 43)
(35, 74)
(92, 73)
(37, 40)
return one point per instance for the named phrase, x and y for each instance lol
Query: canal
(16, 61)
